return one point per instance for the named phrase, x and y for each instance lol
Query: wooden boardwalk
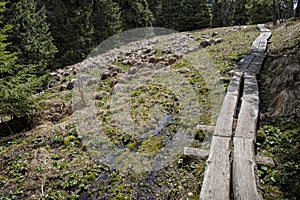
(231, 167)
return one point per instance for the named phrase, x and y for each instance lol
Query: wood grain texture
(244, 170)
(249, 111)
(216, 184)
(228, 111)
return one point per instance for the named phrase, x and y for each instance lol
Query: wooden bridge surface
(231, 167)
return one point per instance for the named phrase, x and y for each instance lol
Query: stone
(133, 71)
(105, 75)
(205, 43)
(171, 60)
(92, 81)
(214, 34)
(183, 70)
(100, 95)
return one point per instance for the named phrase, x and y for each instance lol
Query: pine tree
(17, 83)
(31, 36)
(135, 14)
(105, 19)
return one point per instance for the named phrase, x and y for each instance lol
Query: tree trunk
(274, 13)
(297, 11)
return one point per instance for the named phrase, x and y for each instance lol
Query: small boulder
(205, 43)
(100, 95)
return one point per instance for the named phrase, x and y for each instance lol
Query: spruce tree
(169, 14)
(135, 14)
(239, 12)
(221, 14)
(193, 15)
(71, 28)
(17, 83)
(105, 19)
(260, 11)
(31, 36)
(155, 6)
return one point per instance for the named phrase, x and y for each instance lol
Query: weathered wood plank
(260, 43)
(244, 170)
(246, 61)
(198, 153)
(227, 113)
(248, 115)
(216, 184)
(205, 128)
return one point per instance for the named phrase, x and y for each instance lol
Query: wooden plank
(205, 128)
(198, 153)
(248, 115)
(228, 111)
(244, 170)
(216, 184)
(245, 62)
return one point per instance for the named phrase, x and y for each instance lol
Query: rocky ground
(114, 126)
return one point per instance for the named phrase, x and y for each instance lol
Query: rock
(105, 75)
(113, 68)
(260, 160)
(205, 43)
(183, 70)
(71, 84)
(160, 65)
(56, 76)
(214, 34)
(218, 40)
(151, 59)
(171, 60)
(100, 95)
(92, 81)
(132, 71)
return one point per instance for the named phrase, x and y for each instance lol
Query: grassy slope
(282, 130)
(51, 162)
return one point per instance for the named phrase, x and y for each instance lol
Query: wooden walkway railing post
(231, 167)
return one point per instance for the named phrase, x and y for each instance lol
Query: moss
(260, 136)
(152, 144)
(200, 135)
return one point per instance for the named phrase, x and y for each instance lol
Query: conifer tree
(193, 15)
(135, 14)
(31, 36)
(260, 11)
(221, 15)
(169, 14)
(17, 83)
(239, 12)
(105, 19)
(155, 6)
(70, 25)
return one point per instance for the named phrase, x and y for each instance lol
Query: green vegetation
(18, 82)
(281, 130)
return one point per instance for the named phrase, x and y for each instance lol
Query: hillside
(147, 97)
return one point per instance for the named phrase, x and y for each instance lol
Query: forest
(38, 36)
